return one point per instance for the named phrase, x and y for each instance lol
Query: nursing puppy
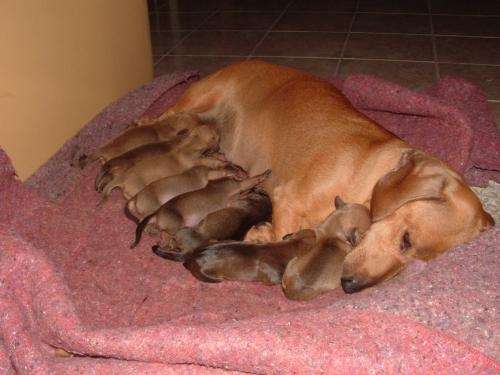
(190, 208)
(318, 270)
(127, 160)
(230, 223)
(136, 136)
(133, 178)
(153, 196)
(241, 261)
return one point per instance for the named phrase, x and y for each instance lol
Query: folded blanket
(69, 280)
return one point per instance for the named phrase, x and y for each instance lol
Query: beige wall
(61, 62)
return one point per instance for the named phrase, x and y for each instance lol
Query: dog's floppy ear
(408, 182)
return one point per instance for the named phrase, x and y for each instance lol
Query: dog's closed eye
(405, 244)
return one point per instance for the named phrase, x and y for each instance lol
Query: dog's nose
(349, 284)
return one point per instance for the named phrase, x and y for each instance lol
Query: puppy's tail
(140, 228)
(175, 256)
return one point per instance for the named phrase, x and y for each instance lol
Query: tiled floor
(411, 42)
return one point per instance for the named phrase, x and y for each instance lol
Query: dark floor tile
(392, 23)
(495, 107)
(318, 44)
(177, 21)
(408, 74)
(162, 41)
(253, 5)
(488, 77)
(324, 5)
(403, 6)
(241, 20)
(466, 25)
(319, 67)
(314, 22)
(398, 47)
(468, 50)
(188, 5)
(239, 43)
(204, 64)
(484, 7)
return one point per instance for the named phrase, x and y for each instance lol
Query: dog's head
(419, 210)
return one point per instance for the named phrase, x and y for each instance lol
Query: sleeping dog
(319, 146)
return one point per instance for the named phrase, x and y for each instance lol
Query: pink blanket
(68, 279)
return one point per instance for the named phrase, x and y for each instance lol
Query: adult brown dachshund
(319, 146)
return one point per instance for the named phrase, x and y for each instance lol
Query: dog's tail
(140, 228)
(175, 256)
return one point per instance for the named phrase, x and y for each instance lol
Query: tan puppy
(149, 199)
(230, 223)
(319, 146)
(189, 153)
(241, 261)
(127, 160)
(136, 136)
(188, 209)
(318, 270)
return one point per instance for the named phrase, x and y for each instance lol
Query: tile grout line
(330, 32)
(346, 40)
(337, 58)
(269, 29)
(330, 12)
(433, 41)
(168, 53)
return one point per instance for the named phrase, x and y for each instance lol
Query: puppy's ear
(339, 203)
(415, 178)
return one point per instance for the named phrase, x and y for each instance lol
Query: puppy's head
(419, 210)
(317, 269)
(347, 223)
(203, 138)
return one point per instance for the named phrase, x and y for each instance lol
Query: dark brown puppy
(189, 153)
(153, 196)
(318, 270)
(230, 223)
(242, 261)
(136, 136)
(188, 209)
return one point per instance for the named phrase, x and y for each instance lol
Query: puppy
(127, 160)
(241, 261)
(319, 269)
(189, 153)
(134, 137)
(159, 192)
(230, 223)
(188, 209)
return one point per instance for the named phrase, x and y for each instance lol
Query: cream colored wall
(61, 62)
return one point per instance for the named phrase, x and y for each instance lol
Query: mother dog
(319, 146)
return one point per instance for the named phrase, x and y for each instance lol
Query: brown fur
(318, 270)
(136, 136)
(230, 223)
(240, 261)
(149, 199)
(149, 167)
(188, 209)
(319, 146)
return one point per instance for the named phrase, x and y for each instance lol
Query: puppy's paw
(261, 233)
